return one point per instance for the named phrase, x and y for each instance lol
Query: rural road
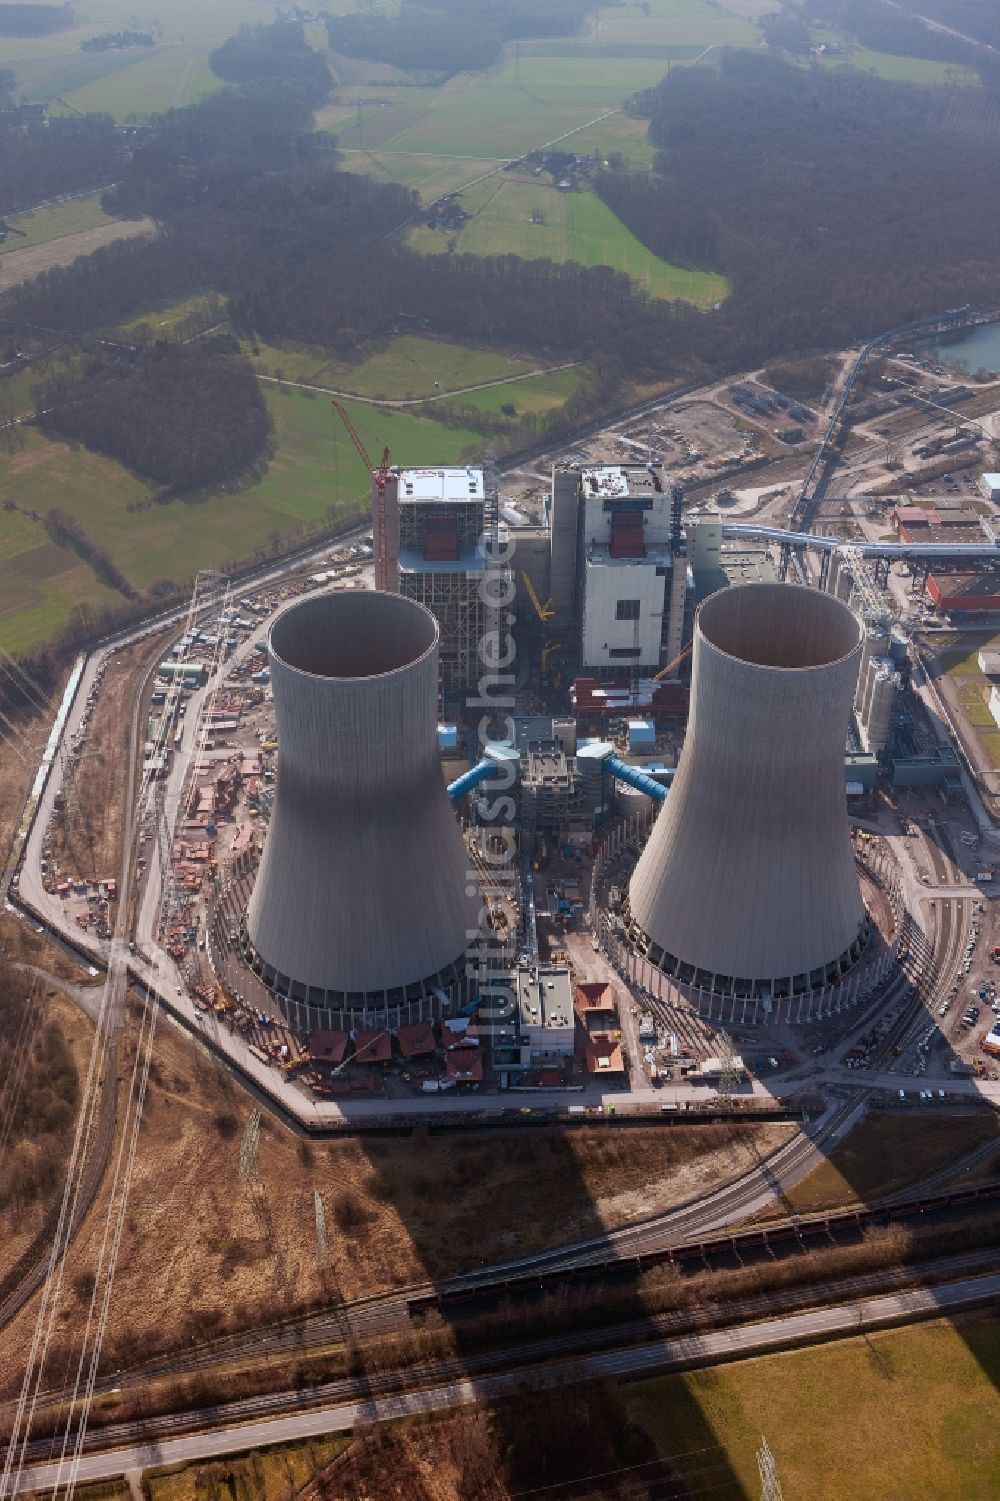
(662, 1355)
(418, 401)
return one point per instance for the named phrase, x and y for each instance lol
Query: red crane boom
(380, 478)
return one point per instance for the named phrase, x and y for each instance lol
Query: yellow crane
(544, 611)
(666, 671)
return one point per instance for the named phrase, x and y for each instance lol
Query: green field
(903, 1415)
(315, 473)
(407, 367)
(895, 66)
(52, 223)
(537, 394)
(576, 226)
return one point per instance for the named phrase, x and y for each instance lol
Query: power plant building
(618, 576)
(747, 886)
(363, 897)
(442, 516)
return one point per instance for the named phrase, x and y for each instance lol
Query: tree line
(450, 36)
(110, 41)
(837, 203)
(184, 416)
(889, 28)
(39, 161)
(40, 1089)
(35, 20)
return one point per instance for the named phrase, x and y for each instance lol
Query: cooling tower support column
(363, 896)
(747, 886)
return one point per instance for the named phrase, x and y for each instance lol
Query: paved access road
(661, 1355)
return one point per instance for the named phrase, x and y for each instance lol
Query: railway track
(578, 1342)
(30, 1272)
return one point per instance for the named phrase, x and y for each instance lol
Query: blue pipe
(471, 779)
(632, 776)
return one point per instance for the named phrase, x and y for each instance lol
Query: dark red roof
(373, 1047)
(417, 1040)
(626, 535)
(328, 1047)
(464, 1065)
(594, 995)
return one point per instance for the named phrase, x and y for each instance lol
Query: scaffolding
(442, 542)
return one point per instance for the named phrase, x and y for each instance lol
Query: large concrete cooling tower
(747, 885)
(361, 896)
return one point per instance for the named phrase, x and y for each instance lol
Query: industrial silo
(747, 885)
(363, 896)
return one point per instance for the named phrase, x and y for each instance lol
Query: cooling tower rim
(346, 605)
(828, 603)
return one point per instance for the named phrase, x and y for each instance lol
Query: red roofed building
(373, 1047)
(416, 1041)
(328, 1047)
(965, 593)
(464, 1065)
(594, 1003)
(603, 1055)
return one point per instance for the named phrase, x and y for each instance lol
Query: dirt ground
(22, 265)
(201, 1253)
(86, 840)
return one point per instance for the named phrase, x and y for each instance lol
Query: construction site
(414, 806)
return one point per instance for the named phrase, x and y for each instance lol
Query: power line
(770, 1485)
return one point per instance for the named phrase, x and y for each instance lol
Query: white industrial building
(633, 579)
(546, 1016)
(991, 487)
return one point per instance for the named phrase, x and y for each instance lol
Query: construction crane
(544, 611)
(380, 478)
(666, 671)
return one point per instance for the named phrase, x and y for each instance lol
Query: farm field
(140, 79)
(575, 226)
(19, 265)
(430, 175)
(314, 475)
(152, 82)
(53, 223)
(835, 1416)
(407, 367)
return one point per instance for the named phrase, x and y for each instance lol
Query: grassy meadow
(538, 221)
(903, 1415)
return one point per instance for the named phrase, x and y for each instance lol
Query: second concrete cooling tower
(362, 897)
(747, 885)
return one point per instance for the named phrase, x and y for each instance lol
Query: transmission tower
(728, 1072)
(770, 1485)
(249, 1167)
(322, 1240)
